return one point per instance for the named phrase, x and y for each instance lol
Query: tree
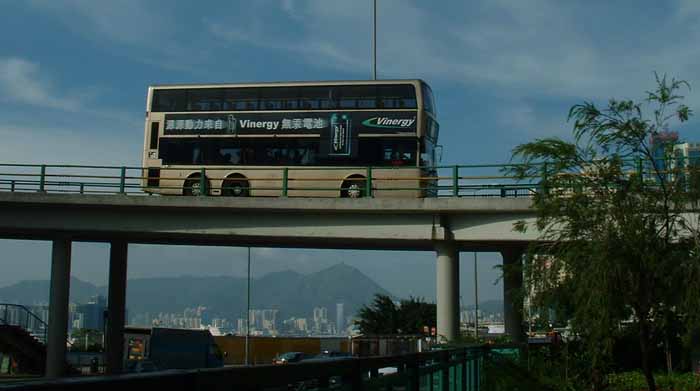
(383, 316)
(615, 214)
(86, 340)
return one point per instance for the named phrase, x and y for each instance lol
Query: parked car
(289, 357)
(327, 355)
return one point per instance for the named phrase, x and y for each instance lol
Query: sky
(74, 74)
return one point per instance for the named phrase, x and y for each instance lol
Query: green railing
(440, 181)
(486, 180)
(458, 369)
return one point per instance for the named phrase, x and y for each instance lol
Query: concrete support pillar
(447, 291)
(512, 297)
(116, 307)
(58, 308)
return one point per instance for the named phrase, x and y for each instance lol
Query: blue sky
(73, 78)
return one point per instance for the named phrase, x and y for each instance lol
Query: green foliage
(618, 244)
(384, 316)
(634, 381)
(86, 340)
(552, 367)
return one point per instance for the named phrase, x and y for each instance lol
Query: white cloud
(533, 48)
(131, 22)
(25, 143)
(22, 82)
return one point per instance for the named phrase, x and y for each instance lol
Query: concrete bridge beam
(116, 306)
(447, 291)
(58, 308)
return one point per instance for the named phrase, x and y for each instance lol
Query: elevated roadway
(368, 223)
(444, 225)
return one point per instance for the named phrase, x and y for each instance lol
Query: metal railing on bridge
(444, 181)
(446, 370)
(485, 180)
(19, 315)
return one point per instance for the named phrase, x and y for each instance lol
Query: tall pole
(476, 301)
(247, 327)
(374, 42)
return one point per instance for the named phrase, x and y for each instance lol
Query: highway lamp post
(374, 40)
(247, 327)
(476, 301)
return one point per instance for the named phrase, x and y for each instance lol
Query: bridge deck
(374, 223)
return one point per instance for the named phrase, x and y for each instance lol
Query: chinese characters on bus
(233, 123)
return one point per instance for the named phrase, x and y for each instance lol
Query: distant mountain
(292, 293)
(37, 291)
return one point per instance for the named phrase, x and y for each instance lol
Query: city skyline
(502, 72)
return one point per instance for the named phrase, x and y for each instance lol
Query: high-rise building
(687, 154)
(93, 313)
(661, 144)
(320, 319)
(269, 319)
(320, 314)
(339, 318)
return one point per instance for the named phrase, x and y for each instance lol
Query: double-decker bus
(311, 139)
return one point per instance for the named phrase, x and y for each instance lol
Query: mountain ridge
(290, 292)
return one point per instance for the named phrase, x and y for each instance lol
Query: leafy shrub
(634, 381)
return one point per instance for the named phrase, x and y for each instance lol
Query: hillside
(292, 293)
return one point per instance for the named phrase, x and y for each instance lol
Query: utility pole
(476, 301)
(247, 327)
(374, 41)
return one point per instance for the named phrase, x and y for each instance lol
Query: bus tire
(192, 187)
(353, 188)
(235, 188)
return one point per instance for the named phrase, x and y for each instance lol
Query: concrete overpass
(445, 225)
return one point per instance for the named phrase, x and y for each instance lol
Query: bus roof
(290, 83)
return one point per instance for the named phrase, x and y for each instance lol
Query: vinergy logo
(390, 123)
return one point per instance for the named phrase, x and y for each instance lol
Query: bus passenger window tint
(241, 99)
(169, 100)
(270, 99)
(392, 96)
(204, 99)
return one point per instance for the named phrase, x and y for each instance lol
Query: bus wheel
(353, 188)
(235, 188)
(193, 187)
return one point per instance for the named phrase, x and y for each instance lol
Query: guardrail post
(477, 372)
(42, 178)
(455, 181)
(122, 180)
(202, 182)
(413, 376)
(368, 190)
(285, 181)
(354, 379)
(12, 185)
(82, 187)
(444, 371)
